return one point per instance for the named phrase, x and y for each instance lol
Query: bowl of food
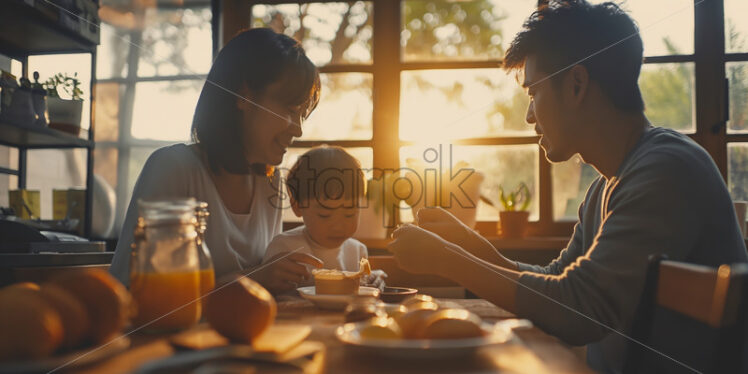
(397, 294)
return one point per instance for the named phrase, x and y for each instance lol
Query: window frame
(710, 94)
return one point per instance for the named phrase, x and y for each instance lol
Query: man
(659, 192)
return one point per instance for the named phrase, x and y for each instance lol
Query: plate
(68, 360)
(334, 302)
(499, 333)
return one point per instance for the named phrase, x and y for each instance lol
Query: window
(151, 65)
(436, 82)
(736, 72)
(400, 78)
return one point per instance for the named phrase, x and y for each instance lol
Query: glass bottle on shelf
(165, 265)
(207, 272)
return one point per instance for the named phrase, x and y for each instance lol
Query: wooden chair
(693, 314)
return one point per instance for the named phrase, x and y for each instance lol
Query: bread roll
(452, 324)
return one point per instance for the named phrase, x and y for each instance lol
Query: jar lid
(170, 211)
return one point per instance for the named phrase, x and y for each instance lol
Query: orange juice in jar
(165, 274)
(207, 281)
(167, 301)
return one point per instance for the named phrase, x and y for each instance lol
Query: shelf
(27, 30)
(14, 260)
(39, 137)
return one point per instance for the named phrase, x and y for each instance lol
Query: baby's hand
(375, 279)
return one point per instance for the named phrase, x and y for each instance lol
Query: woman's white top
(236, 241)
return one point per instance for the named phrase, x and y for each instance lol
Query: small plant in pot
(64, 102)
(514, 218)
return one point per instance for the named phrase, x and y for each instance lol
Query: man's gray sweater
(667, 197)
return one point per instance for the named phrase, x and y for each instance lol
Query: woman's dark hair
(253, 60)
(602, 38)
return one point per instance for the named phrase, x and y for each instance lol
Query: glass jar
(207, 272)
(165, 265)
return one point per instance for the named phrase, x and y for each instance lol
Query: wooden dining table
(534, 351)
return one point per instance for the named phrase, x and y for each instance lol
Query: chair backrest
(691, 318)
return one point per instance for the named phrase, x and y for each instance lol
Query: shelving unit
(29, 27)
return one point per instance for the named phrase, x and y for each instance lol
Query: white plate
(498, 333)
(334, 302)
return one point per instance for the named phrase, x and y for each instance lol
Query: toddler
(325, 187)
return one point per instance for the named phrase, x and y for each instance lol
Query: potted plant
(64, 102)
(513, 219)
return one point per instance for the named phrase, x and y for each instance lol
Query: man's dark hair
(602, 38)
(253, 59)
(326, 173)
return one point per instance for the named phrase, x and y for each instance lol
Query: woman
(259, 89)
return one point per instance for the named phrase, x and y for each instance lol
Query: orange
(29, 326)
(72, 312)
(241, 309)
(106, 300)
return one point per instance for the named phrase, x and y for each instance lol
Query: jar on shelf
(207, 272)
(165, 265)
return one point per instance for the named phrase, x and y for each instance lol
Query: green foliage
(435, 30)
(517, 200)
(667, 92)
(69, 85)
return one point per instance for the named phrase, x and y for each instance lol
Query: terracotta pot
(513, 224)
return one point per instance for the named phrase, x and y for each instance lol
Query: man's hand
(420, 251)
(451, 229)
(284, 271)
(446, 225)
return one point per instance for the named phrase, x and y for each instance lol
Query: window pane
(70, 64)
(331, 33)
(570, 182)
(176, 41)
(105, 164)
(363, 154)
(505, 166)
(5, 185)
(460, 30)
(665, 26)
(164, 110)
(107, 112)
(736, 29)
(737, 170)
(737, 73)
(668, 95)
(439, 105)
(111, 54)
(345, 108)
